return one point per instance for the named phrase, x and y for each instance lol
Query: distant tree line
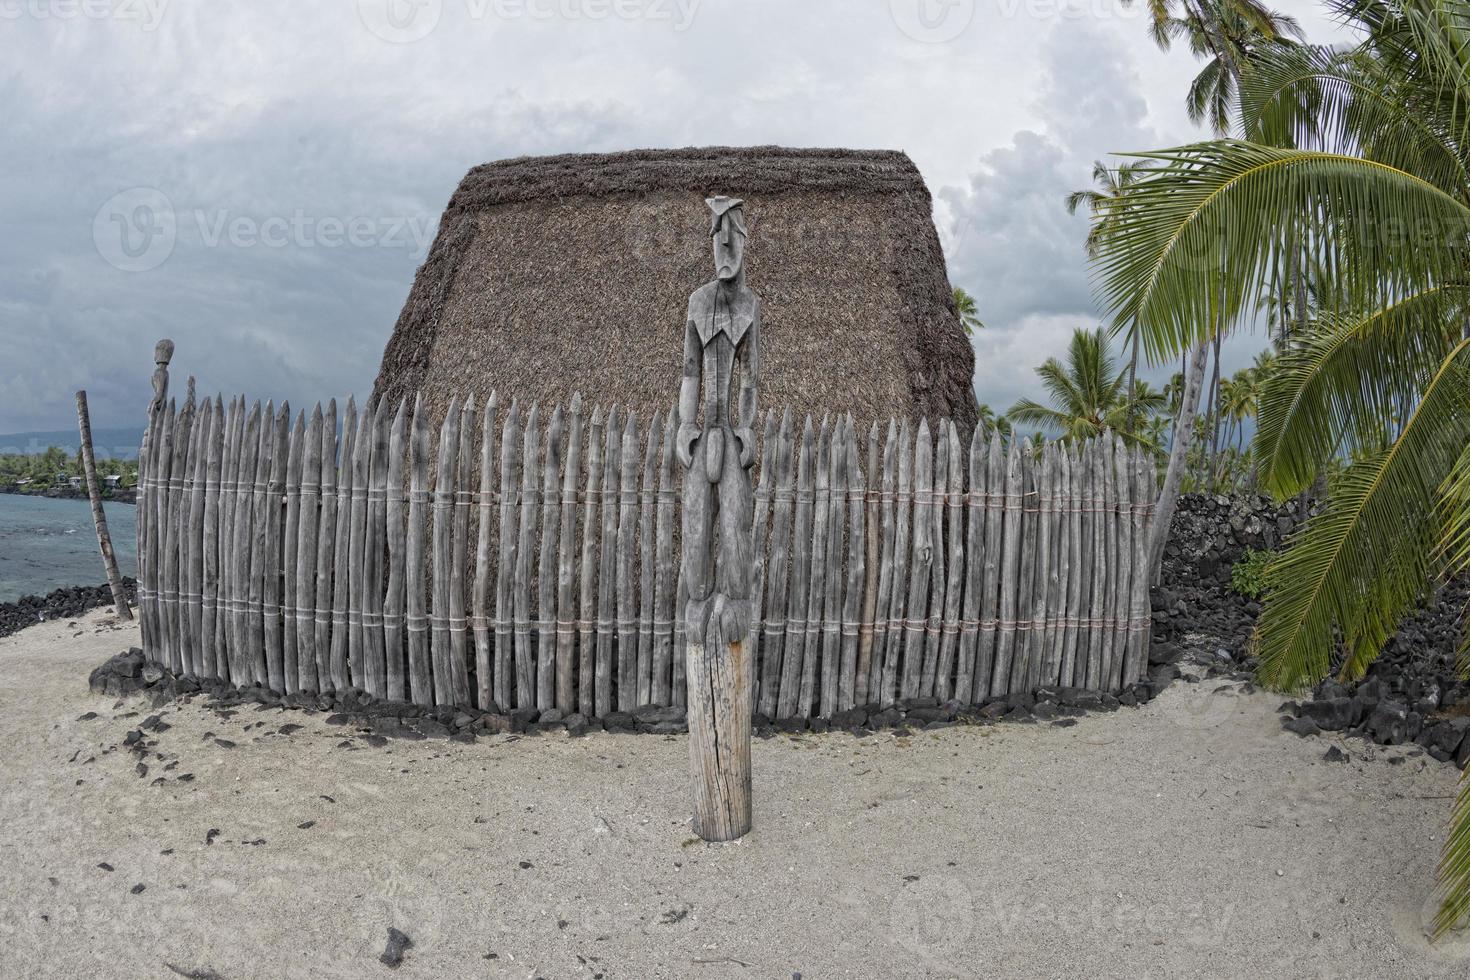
(41, 470)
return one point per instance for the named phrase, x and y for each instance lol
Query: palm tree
(991, 423)
(1156, 433)
(1174, 393)
(1382, 376)
(1265, 364)
(1239, 394)
(1142, 407)
(964, 307)
(1230, 34)
(1211, 15)
(1088, 395)
(1111, 185)
(1229, 39)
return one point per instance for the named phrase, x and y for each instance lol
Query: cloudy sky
(259, 180)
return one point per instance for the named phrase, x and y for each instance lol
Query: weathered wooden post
(163, 352)
(721, 340)
(99, 517)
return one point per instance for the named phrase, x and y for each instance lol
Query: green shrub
(1248, 576)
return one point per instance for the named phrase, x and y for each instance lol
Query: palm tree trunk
(1174, 474)
(1225, 449)
(1299, 290)
(1216, 396)
(1292, 300)
(1205, 461)
(1132, 379)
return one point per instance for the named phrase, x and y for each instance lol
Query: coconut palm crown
(1088, 394)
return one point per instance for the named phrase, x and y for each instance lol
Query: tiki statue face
(728, 233)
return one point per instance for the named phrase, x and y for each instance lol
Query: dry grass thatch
(551, 275)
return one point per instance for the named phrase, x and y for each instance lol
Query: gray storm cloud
(260, 181)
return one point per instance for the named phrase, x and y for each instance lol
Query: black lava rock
(1388, 722)
(1301, 726)
(432, 728)
(65, 603)
(398, 944)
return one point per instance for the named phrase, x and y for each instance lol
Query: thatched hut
(551, 275)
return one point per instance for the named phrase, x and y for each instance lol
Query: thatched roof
(551, 275)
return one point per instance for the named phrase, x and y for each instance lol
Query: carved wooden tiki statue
(721, 350)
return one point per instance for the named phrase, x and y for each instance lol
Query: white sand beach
(1191, 837)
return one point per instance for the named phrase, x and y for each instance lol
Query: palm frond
(1454, 866)
(1060, 385)
(1355, 567)
(1211, 96)
(1349, 381)
(1455, 515)
(1434, 51)
(1347, 102)
(1028, 412)
(1076, 199)
(1206, 222)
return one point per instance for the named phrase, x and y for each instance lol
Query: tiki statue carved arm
(749, 358)
(689, 395)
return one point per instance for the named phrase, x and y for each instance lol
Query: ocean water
(46, 544)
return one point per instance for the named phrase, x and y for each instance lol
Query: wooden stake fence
(534, 564)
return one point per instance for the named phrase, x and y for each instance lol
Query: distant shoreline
(59, 493)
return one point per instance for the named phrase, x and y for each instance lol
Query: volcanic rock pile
(127, 673)
(1195, 612)
(1411, 693)
(61, 604)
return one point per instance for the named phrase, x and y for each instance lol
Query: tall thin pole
(1178, 452)
(99, 517)
(1132, 392)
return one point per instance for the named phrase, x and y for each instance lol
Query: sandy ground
(1188, 838)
